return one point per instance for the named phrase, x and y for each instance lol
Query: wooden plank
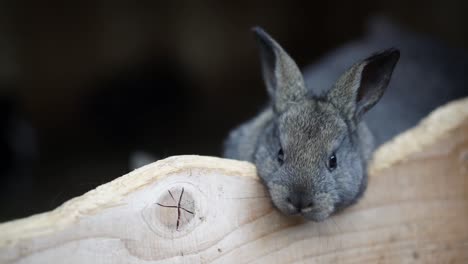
(192, 209)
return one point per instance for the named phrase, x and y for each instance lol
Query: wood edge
(429, 130)
(111, 193)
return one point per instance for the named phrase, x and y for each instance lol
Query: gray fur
(309, 129)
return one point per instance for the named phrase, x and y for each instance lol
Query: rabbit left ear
(361, 87)
(282, 77)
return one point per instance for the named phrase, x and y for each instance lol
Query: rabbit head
(312, 155)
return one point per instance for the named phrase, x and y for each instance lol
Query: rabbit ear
(361, 87)
(283, 78)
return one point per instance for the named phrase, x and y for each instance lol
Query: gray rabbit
(311, 150)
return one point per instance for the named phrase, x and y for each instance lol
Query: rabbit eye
(280, 156)
(332, 162)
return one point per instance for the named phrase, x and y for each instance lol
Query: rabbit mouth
(316, 216)
(319, 212)
(311, 214)
(322, 209)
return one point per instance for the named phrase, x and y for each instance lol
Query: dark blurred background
(85, 84)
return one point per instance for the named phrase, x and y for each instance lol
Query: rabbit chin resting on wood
(311, 152)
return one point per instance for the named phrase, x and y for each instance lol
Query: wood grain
(193, 209)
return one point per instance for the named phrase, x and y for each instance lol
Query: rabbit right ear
(282, 77)
(361, 87)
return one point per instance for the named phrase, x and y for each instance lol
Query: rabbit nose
(299, 202)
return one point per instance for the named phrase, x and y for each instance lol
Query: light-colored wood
(192, 209)
(435, 126)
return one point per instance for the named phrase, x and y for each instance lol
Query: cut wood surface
(193, 209)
